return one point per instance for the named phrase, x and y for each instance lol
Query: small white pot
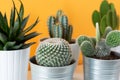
(14, 64)
(51, 73)
(116, 49)
(75, 51)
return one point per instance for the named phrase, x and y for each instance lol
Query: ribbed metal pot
(51, 73)
(96, 69)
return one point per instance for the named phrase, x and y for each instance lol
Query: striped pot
(14, 64)
(95, 69)
(51, 73)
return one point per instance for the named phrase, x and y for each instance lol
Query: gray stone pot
(51, 73)
(96, 69)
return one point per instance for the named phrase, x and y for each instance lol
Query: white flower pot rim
(72, 63)
(13, 50)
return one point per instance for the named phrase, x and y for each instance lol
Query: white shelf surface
(78, 75)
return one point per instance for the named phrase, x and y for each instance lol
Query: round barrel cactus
(54, 52)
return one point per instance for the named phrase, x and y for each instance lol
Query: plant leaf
(3, 38)
(31, 27)
(3, 25)
(24, 22)
(27, 45)
(9, 45)
(17, 46)
(21, 11)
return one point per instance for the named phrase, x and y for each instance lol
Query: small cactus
(59, 28)
(103, 46)
(87, 48)
(54, 52)
(105, 17)
(113, 38)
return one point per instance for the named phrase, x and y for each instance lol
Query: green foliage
(105, 17)
(59, 28)
(54, 52)
(99, 47)
(13, 34)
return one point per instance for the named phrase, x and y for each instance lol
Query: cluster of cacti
(54, 52)
(13, 34)
(106, 17)
(103, 46)
(59, 28)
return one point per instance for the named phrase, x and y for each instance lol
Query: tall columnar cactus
(54, 52)
(58, 26)
(106, 17)
(103, 45)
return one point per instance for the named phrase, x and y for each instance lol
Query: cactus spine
(58, 26)
(106, 17)
(54, 52)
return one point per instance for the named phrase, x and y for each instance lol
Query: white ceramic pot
(14, 64)
(75, 51)
(116, 49)
(51, 73)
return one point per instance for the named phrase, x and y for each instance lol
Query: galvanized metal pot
(96, 69)
(51, 73)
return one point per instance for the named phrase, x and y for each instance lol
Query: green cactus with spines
(69, 35)
(83, 38)
(54, 52)
(51, 22)
(57, 31)
(61, 20)
(87, 48)
(107, 16)
(113, 38)
(103, 45)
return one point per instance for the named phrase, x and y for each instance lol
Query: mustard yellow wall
(78, 11)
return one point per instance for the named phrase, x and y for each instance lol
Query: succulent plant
(105, 17)
(54, 52)
(13, 34)
(103, 46)
(58, 26)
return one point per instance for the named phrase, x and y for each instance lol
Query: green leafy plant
(103, 46)
(13, 34)
(59, 28)
(106, 17)
(54, 52)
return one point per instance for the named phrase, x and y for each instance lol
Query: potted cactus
(53, 61)
(100, 63)
(14, 51)
(59, 27)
